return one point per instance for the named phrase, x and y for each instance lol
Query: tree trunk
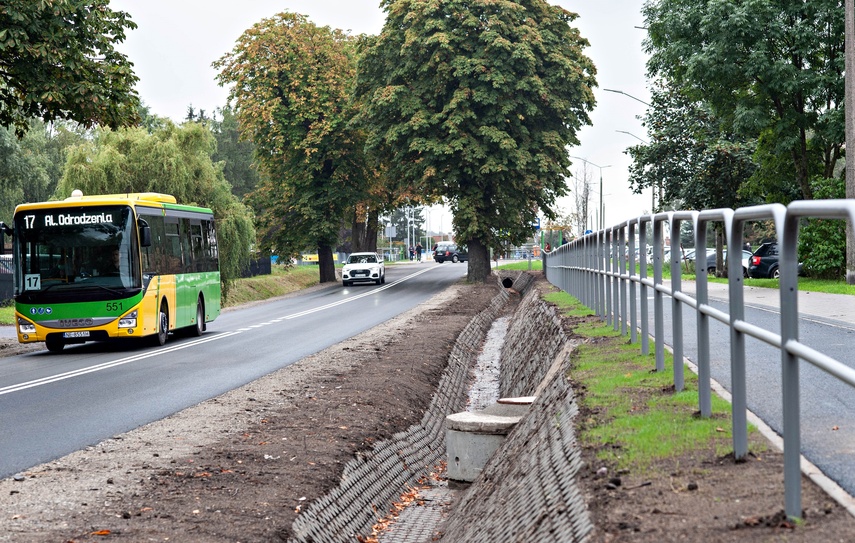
(326, 266)
(479, 262)
(365, 234)
(720, 261)
(850, 132)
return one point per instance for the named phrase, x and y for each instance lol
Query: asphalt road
(54, 404)
(827, 405)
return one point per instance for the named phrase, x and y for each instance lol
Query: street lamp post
(628, 95)
(652, 188)
(602, 203)
(653, 196)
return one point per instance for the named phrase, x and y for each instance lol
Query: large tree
(171, 160)
(291, 93)
(764, 66)
(58, 61)
(476, 101)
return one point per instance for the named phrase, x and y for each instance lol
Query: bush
(822, 242)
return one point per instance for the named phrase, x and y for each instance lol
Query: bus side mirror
(145, 235)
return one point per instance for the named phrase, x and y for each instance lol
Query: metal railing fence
(598, 271)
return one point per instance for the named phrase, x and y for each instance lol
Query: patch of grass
(280, 282)
(536, 264)
(632, 415)
(7, 316)
(568, 304)
(805, 283)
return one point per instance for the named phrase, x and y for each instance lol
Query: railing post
(789, 287)
(645, 311)
(615, 282)
(607, 266)
(633, 309)
(658, 297)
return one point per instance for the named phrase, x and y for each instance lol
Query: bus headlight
(129, 320)
(25, 326)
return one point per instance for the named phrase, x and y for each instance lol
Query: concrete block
(472, 437)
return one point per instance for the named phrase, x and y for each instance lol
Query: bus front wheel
(162, 324)
(54, 344)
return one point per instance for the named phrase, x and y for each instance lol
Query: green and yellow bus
(91, 268)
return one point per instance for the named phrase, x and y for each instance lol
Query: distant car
(764, 262)
(746, 255)
(363, 267)
(450, 251)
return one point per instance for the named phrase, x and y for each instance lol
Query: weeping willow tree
(172, 160)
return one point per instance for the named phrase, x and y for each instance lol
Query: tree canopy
(171, 160)
(58, 61)
(476, 101)
(763, 66)
(291, 94)
(30, 166)
(692, 160)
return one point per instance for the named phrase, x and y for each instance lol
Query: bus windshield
(68, 250)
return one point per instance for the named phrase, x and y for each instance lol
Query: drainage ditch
(527, 491)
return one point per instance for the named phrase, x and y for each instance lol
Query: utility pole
(849, 52)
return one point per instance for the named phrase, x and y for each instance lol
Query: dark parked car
(764, 262)
(450, 251)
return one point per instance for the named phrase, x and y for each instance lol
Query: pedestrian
(412, 252)
(419, 251)
(548, 247)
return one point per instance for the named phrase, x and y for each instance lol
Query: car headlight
(25, 326)
(129, 320)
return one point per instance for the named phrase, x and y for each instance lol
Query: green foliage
(771, 66)
(58, 61)
(171, 160)
(692, 157)
(7, 315)
(822, 242)
(774, 180)
(236, 155)
(291, 91)
(31, 166)
(476, 102)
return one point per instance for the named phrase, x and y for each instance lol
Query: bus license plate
(75, 334)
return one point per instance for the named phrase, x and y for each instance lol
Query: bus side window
(174, 259)
(210, 239)
(197, 252)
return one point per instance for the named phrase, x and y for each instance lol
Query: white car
(363, 267)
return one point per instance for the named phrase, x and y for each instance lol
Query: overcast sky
(177, 40)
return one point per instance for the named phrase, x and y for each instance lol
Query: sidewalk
(839, 307)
